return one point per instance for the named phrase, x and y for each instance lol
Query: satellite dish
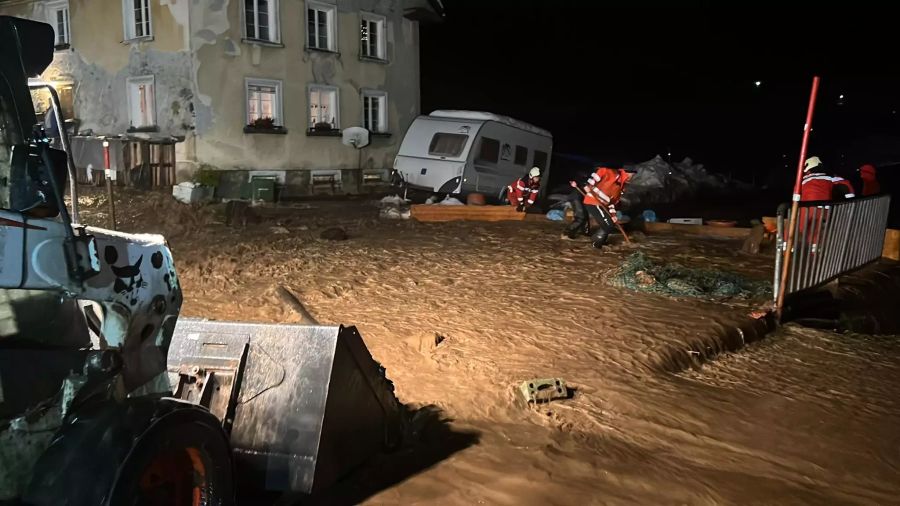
(358, 137)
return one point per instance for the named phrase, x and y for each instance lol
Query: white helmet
(534, 172)
(811, 163)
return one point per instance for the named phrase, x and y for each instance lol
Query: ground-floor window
(264, 103)
(375, 111)
(323, 108)
(142, 101)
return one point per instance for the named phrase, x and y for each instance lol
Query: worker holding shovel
(601, 194)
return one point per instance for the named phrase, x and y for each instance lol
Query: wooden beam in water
(735, 232)
(438, 213)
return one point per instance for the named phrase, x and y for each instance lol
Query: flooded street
(460, 313)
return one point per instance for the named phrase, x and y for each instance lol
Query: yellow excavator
(106, 396)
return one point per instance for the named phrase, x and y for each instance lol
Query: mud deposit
(460, 312)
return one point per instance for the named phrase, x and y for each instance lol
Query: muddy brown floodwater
(801, 417)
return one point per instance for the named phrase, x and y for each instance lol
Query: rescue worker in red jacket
(869, 180)
(817, 185)
(523, 193)
(601, 194)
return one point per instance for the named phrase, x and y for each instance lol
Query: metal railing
(831, 238)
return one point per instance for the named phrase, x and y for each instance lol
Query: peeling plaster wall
(222, 62)
(99, 63)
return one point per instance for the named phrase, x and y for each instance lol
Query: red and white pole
(108, 175)
(795, 200)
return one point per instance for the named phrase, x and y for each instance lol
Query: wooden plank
(437, 213)
(891, 244)
(735, 232)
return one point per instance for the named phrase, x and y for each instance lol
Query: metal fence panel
(831, 238)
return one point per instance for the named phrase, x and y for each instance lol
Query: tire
(108, 453)
(183, 459)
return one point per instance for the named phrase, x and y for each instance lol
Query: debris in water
(540, 390)
(638, 272)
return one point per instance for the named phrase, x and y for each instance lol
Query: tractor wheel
(182, 460)
(144, 451)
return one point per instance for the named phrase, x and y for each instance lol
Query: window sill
(380, 134)
(143, 129)
(372, 59)
(135, 40)
(62, 47)
(272, 131)
(323, 133)
(262, 42)
(318, 50)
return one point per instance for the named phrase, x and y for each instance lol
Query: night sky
(620, 84)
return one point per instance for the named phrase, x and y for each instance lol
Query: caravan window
(490, 150)
(521, 155)
(540, 159)
(444, 144)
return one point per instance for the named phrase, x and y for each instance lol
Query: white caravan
(460, 152)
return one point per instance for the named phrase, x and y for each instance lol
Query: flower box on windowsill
(321, 132)
(143, 129)
(261, 42)
(278, 130)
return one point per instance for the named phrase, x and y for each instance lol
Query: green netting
(638, 272)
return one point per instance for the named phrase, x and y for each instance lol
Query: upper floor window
(261, 20)
(137, 19)
(320, 26)
(59, 20)
(371, 36)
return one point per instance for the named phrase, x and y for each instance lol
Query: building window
(264, 103)
(521, 155)
(371, 36)
(261, 20)
(323, 108)
(490, 150)
(320, 26)
(375, 111)
(59, 20)
(142, 101)
(136, 14)
(444, 144)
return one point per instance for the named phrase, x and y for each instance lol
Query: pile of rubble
(657, 181)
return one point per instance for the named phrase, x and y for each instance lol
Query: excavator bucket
(304, 404)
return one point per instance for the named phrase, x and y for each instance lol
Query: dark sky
(623, 84)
